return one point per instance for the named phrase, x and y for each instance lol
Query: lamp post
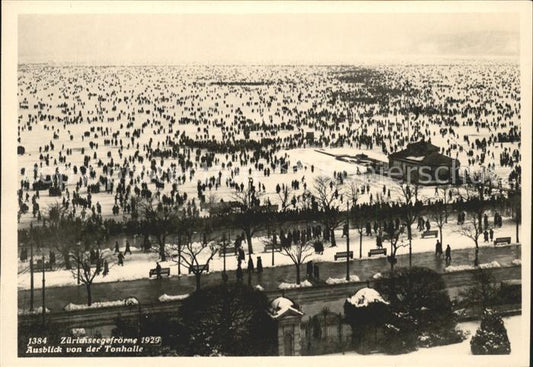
(224, 251)
(43, 300)
(31, 270)
(347, 240)
(78, 245)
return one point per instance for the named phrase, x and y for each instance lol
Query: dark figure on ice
(117, 250)
(486, 236)
(128, 249)
(491, 234)
(259, 265)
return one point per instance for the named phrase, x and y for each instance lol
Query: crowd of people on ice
(97, 138)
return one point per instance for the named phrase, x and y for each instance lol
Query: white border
(10, 11)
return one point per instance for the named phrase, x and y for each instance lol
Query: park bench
(228, 250)
(164, 271)
(269, 248)
(198, 268)
(377, 251)
(343, 254)
(37, 267)
(433, 234)
(500, 240)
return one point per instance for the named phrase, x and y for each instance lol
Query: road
(148, 290)
(311, 301)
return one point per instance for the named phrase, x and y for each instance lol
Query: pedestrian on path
(158, 270)
(309, 269)
(239, 272)
(316, 272)
(344, 231)
(438, 249)
(128, 249)
(486, 236)
(106, 268)
(491, 234)
(120, 258)
(259, 264)
(250, 265)
(117, 250)
(448, 255)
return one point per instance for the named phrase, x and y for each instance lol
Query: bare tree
(284, 193)
(410, 210)
(159, 221)
(392, 234)
(298, 253)
(472, 229)
(60, 232)
(196, 255)
(516, 206)
(248, 219)
(357, 216)
(439, 210)
(91, 267)
(306, 200)
(476, 192)
(327, 193)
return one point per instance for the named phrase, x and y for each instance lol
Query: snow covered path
(149, 290)
(138, 265)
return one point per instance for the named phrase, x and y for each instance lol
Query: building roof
(283, 306)
(423, 153)
(420, 148)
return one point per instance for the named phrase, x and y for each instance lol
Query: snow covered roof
(364, 296)
(281, 305)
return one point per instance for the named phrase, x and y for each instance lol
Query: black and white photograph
(292, 179)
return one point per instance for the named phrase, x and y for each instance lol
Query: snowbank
(166, 298)
(492, 264)
(36, 311)
(123, 302)
(377, 276)
(303, 284)
(259, 288)
(353, 278)
(364, 296)
(517, 262)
